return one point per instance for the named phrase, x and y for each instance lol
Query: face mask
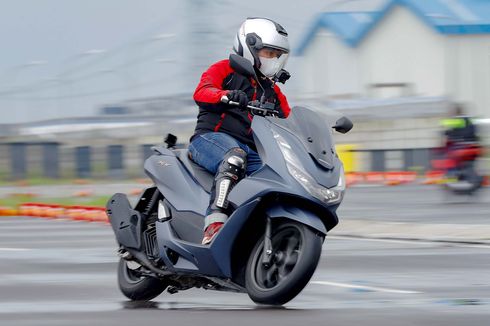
(271, 66)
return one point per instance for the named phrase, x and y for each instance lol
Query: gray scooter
(279, 215)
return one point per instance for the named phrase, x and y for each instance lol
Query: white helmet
(259, 33)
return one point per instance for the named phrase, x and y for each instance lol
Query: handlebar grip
(224, 99)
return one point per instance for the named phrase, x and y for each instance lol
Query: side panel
(125, 221)
(175, 183)
(188, 226)
(191, 257)
(263, 181)
(213, 260)
(222, 245)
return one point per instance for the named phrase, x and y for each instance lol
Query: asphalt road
(63, 273)
(415, 203)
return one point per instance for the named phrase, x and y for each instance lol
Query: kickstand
(267, 254)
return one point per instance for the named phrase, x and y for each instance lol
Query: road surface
(55, 272)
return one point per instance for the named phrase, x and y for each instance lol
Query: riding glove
(240, 97)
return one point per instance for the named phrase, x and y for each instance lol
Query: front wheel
(136, 286)
(468, 181)
(296, 250)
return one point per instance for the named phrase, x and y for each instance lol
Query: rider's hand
(240, 97)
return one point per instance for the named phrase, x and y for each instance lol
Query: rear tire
(137, 287)
(296, 251)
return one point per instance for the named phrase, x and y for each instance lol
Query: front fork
(267, 253)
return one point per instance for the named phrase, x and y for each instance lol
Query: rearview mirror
(242, 65)
(343, 125)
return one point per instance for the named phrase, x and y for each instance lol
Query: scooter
(279, 216)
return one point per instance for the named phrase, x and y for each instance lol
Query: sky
(69, 58)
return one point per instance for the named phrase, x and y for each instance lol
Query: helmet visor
(270, 52)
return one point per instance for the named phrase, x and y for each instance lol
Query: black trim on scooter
(126, 222)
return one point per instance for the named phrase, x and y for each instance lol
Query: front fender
(297, 214)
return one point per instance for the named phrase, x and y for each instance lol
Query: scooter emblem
(163, 163)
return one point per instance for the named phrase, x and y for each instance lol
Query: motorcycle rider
(222, 142)
(460, 133)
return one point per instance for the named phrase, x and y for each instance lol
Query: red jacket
(216, 116)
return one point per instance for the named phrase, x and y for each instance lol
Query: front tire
(137, 287)
(296, 250)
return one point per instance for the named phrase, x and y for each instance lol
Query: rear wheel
(136, 286)
(296, 250)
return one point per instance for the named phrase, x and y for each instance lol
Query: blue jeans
(208, 151)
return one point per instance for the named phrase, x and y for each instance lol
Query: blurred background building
(87, 88)
(413, 58)
(402, 48)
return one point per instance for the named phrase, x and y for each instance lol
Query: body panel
(175, 183)
(126, 222)
(213, 260)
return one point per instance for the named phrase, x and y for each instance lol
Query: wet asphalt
(55, 272)
(415, 203)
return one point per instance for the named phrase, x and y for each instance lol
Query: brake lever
(264, 112)
(253, 109)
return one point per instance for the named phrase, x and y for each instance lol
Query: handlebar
(251, 108)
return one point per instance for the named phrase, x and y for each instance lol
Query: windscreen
(311, 128)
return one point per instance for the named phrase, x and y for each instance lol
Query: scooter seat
(202, 176)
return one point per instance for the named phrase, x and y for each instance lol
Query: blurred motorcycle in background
(461, 176)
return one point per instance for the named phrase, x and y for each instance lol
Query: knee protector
(230, 171)
(234, 164)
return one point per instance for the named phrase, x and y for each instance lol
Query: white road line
(14, 249)
(478, 246)
(340, 237)
(365, 287)
(412, 242)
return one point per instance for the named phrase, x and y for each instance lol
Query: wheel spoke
(291, 259)
(282, 273)
(292, 244)
(271, 276)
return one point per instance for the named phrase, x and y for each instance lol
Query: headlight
(295, 168)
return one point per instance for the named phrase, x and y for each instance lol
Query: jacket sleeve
(283, 102)
(210, 90)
